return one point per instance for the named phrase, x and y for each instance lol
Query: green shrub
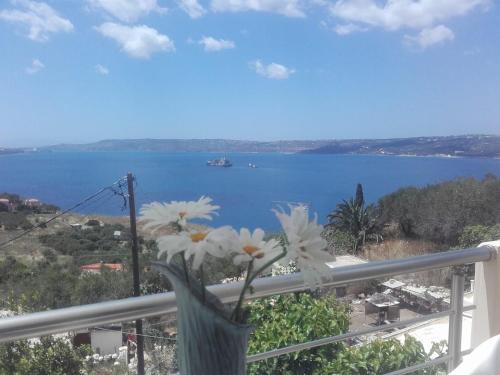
(339, 242)
(50, 356)
(442, 211)
(292, 319)
(104, 286)
(14, 220)
(90, 245)
(473, 235)
(50, 285)
(381, 357)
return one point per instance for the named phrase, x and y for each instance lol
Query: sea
(246, 195)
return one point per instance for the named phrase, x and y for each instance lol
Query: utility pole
(135, 267)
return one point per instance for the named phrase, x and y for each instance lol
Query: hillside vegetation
(458, 213)
(441, 212)
(466, 145)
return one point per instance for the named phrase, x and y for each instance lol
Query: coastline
(303, 152)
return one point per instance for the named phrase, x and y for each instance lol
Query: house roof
(98, 266)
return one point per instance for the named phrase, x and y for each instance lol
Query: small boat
(250, 165)
(222, 162)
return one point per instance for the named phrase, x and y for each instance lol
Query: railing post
(486, 316)
(456, 316)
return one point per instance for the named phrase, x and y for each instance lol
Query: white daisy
(158, 214)
(251, 246)
(195, 244)
(305, 245)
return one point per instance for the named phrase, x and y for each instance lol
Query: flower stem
(202, 279)
(256, 273)
(236, 311)
(185, 268)
(248, 280)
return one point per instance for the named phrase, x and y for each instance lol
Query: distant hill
(190, 145)
(466, 145)
(5, 151)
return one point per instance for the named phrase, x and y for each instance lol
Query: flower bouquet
(212, 339)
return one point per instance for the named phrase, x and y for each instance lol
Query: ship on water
(222, 162)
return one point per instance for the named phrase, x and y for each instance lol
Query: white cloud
(289, 8)
(137, 41)
(40, 19)
(212, 45)
(396, 14)
(431, 36)
(392, 15)
(192, 7)
(272, 71)
(101, 69)
(35, 67)
(349, 28)
(127, 10)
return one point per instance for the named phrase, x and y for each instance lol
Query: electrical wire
(116, 188)
(101, 199)
(97, 200)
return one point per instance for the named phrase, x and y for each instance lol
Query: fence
(487, 273)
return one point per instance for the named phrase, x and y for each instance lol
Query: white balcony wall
(486, 317)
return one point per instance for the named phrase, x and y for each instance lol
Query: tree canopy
(440, 212)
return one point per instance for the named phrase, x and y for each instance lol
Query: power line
(119, 183)
(103, 197)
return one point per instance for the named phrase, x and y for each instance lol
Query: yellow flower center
(253, 251)
(198, 236)
(249, 249)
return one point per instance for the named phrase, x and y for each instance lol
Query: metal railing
(78, 317)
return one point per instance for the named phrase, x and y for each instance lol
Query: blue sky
(84, 70)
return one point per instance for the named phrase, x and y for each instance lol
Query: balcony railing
(78, 317)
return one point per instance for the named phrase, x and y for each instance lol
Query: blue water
(246, 195)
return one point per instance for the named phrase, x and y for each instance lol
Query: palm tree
(360, 197)
(352, 216)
